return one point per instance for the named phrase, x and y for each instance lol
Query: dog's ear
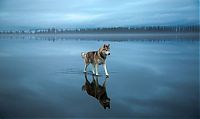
(106, 45)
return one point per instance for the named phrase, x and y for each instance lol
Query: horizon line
(73, 28)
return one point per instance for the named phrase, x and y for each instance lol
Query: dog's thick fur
(96, 58)
(98, 91)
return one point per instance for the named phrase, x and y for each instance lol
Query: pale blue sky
(17, 14)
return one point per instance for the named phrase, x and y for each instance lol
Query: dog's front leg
(105, 69)
(96, 67)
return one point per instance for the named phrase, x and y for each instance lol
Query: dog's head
(105, 50)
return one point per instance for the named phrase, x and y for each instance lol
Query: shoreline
(108, 36)
(85, 34)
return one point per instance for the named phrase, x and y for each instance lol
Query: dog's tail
(83, 55)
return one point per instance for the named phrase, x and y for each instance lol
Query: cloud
(97, 13)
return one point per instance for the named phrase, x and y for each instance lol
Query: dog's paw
(107, 75)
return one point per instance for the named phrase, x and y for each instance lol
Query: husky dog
(97, 91)
(96, 58)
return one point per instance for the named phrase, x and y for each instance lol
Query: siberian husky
(96, 58)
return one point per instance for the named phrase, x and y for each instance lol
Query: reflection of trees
(108, 37)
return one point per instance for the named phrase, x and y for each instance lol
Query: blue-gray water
(43, 77)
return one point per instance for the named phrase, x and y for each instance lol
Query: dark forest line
(112, 30)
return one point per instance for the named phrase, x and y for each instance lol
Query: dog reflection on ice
(98, 91)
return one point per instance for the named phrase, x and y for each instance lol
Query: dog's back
(89, 57)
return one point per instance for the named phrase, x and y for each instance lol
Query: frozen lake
(150, 77)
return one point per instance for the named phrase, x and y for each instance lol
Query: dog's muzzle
(107, 53)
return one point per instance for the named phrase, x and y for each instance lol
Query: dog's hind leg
(85, 68)
(93, 67)
(96, 67)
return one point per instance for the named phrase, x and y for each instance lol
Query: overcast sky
(96, 13)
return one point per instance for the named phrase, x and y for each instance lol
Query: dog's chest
(100, 61)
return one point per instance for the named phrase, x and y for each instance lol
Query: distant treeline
(141, 29)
